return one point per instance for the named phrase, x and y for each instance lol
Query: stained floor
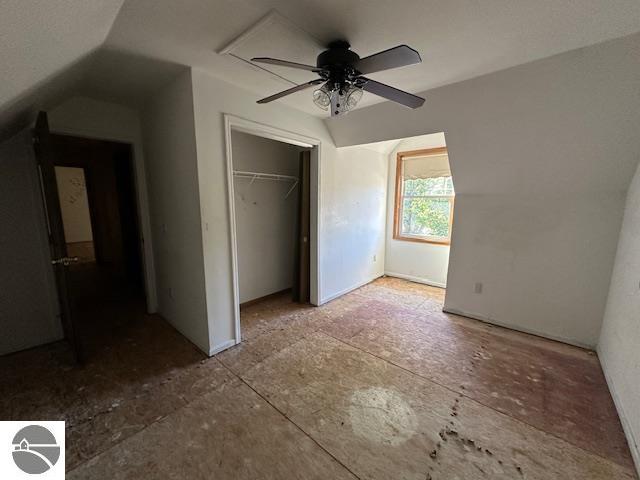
(376, 384)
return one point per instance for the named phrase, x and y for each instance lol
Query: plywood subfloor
(377, 384)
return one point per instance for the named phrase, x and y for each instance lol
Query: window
(424, 197)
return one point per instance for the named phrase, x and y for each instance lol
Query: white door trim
(234, 123)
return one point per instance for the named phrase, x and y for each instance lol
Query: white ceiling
(385, 147)
(41, 41)
(122, 77)
(457, 39)
(285, 40)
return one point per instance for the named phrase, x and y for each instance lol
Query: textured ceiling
(285, 40)
(44, 44)
(457, 39)
(48, 47)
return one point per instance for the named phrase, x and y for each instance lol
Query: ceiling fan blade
(285, 63)
(289, 91)
(390, 93)
(395, 57)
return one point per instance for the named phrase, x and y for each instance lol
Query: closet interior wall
(267, 211)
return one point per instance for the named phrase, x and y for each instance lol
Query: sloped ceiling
(44, 47)
(559, 125)
(136, 77)
(458, 39)
(47, 48)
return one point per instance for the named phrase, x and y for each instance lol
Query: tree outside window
(424, 197)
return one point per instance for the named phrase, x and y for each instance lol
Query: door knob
(66, 261)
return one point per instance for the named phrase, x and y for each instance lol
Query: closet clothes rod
(268, 176)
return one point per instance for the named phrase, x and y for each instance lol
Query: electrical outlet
(478, 287)
(375, 258)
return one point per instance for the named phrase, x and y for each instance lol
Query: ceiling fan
(341, 71)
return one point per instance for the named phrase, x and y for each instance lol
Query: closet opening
(273, 187)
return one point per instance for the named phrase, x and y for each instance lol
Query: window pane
(428, 186)
(426, 216)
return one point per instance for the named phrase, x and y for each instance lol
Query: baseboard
(411, 278)
(626, 426)
(349, 289)
(222, 346)
(491, 321)
(248, 303)
(152, 308)
(179, 330)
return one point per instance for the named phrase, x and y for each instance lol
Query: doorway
(96, 193)
(273, 187)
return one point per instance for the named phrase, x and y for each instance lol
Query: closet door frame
(238, 124)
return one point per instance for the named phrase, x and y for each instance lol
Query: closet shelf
(267, 176)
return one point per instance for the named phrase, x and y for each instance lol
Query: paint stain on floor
(382, 415)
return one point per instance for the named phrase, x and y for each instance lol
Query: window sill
(445, 242)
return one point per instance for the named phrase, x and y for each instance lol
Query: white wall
(354, 211)
(74, 204)
(619, 344)
(541, 156)
(352, 191)
(265, 220)
(28, 299)
(87, 117)
(172, 173)
(544, 262)
(420, 262)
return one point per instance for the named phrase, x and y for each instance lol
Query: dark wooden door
(45, 156)
(304, 248)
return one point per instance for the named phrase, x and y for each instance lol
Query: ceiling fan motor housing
(337, 64)
(338, 55)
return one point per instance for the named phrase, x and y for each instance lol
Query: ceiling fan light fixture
(322, 98)
(354, 94)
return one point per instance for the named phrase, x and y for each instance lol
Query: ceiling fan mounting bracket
(339, 44)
